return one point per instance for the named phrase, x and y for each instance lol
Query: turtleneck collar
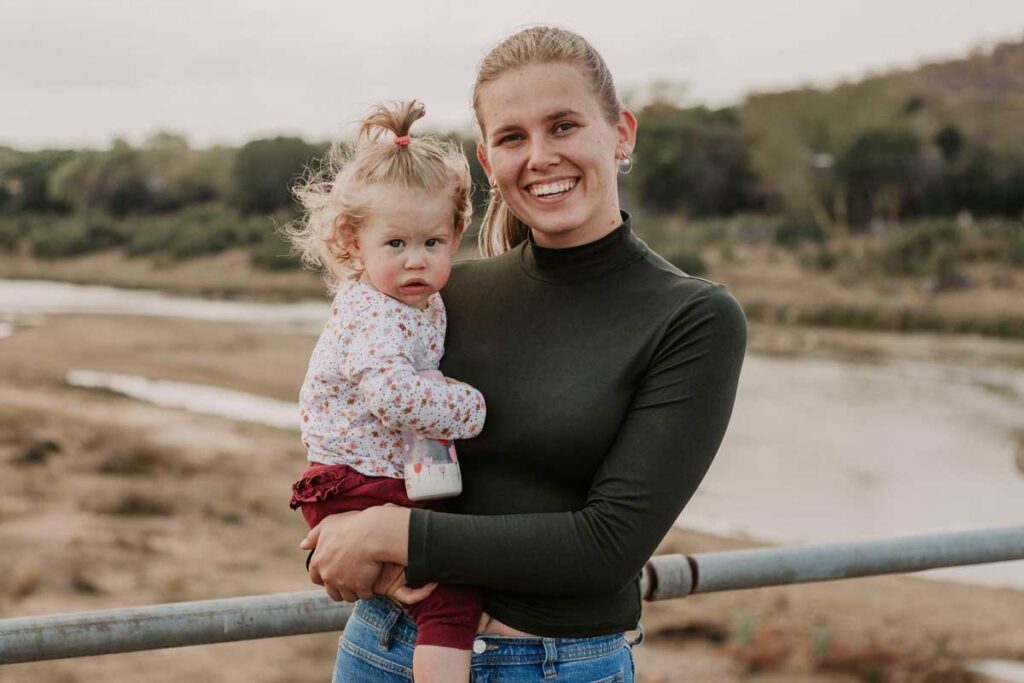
(615, 250)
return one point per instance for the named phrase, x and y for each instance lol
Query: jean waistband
(388, 618)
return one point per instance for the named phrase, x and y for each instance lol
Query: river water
(817, 451)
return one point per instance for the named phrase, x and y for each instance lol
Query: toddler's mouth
(415, 284)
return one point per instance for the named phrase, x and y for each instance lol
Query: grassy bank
(934, 277)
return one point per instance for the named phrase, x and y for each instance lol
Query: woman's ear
(481, 155)
(626, 129)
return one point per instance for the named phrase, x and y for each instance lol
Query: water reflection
(25, 297)
(196, 398)
(821, 451)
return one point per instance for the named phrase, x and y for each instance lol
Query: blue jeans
(378, 642)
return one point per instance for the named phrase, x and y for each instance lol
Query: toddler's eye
(395, 243)
(433, 242)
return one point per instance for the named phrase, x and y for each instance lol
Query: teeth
(541, 190)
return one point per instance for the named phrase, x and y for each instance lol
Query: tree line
(698, 161)
(816, 163)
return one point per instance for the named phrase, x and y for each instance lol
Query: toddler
(383, 223)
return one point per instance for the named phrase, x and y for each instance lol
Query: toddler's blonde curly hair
(333, 197)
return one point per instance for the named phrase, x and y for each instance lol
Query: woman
(609, 377)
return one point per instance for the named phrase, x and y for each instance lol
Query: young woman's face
(551, 153)
(407, 242)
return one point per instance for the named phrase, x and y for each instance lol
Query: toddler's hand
(391, 583)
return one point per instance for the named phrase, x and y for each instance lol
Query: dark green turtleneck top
(609, 377)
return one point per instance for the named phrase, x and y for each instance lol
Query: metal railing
(666, 576)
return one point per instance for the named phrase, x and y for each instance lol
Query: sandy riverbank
(107, 502)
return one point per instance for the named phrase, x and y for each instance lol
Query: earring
(625, 164)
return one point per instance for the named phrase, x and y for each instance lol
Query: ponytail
(501, 230)
(396, 119)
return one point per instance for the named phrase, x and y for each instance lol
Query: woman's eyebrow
(560, 114)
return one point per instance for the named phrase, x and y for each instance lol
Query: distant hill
(795, 136)
(981, 94)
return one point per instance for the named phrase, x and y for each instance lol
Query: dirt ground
(107, 502)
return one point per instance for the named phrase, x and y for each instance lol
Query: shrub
(922, 250)
(10, 235)
(274, 253)
(206, 229)
(71, 237)
(792, 234)
(688, 261)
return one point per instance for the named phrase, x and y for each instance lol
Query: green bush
(820, 258)
(196, 231)
(688, 261)
(1007, 238)
(273, 253)
(71, 237)
(792, 234)
(10, 234)
(925, 249)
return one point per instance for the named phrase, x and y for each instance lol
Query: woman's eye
(564, 127)
(395, 243)
(511, 137)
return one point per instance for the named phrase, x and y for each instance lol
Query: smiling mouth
(553, 189)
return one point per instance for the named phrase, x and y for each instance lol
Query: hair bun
(395, 118)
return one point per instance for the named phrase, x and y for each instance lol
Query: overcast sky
(79, 72)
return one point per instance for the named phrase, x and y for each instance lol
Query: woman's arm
(663, 449)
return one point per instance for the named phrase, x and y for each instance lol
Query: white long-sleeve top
(362, 389)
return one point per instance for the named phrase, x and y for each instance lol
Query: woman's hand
(392, 584)
(352, 547)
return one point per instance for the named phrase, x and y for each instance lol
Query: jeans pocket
(356, 664)
(614, 678)
(362, 659)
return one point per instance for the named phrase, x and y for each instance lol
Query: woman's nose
(542, 154)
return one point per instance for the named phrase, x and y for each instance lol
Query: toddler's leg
(446, 622)
(434, 664)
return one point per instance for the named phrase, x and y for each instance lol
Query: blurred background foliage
(928, 164)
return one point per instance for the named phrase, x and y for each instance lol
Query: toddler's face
(406, 243)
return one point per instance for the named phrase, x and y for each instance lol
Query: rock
(38, 452)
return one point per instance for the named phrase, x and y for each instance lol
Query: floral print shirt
(362, 388)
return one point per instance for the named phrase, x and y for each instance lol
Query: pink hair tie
(402, 140)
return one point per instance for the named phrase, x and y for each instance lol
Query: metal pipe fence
(664, 577)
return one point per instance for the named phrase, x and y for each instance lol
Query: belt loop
(639, 637)
(388, 625)
(550, 657)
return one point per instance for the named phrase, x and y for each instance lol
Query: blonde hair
(501, 229)
(333, 197)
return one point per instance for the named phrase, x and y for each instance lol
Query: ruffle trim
(321, 482)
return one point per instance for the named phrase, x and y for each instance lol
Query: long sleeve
(362, 391)
(662, 449)
(379, 361)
